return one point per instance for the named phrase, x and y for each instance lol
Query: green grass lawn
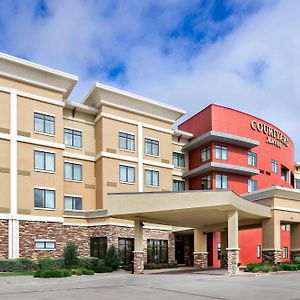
(16, 273)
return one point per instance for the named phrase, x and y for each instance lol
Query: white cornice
(4, 136)
(35, 74)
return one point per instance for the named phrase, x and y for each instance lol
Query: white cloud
(254, 68)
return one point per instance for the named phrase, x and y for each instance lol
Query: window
(126, 174)
(206, 183)
(178, 185)
(126, 141)
(73, 138)
(258, 251)
(126, 247)
(205, 154)
(44, 245)
(73, 171)
(44, 123)
(219, 250)
(98, 246)
(157, 251)
(178, 160)
(297, 183)
(44, 161)
(221, 182)
(221, 152)
(285, 174)
(285, 252)
(44, 198)
(252, 159)
(252, 185)
(151, 147)
(73, 203)
(286, 227)
(274, 164)
(151, 177)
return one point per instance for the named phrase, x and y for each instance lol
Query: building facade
(60, 159)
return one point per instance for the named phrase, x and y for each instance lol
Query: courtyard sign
(274, 136)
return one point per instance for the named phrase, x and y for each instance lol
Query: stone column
(233, 242)
(138, 253)
(271, 251)
(295, 241)
(224, 246)
(200, 249)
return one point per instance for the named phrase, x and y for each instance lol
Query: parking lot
(166, 285)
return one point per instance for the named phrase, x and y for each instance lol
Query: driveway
(170, 285)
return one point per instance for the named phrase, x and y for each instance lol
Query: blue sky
(239, 53)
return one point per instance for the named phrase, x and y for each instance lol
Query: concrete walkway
(121, 284)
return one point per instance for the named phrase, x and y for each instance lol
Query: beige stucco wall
(5, 112)
(4, 176)
(26, 109)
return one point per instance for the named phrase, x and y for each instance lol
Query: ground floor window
(98, 246)
(157, 251)
(126, 247)
(219, 250)
(44, 245)
(258, 251)
(285, 252)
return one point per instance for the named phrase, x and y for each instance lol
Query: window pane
(50, 161)
(122, 142)
(38, 124)
(218, 182)
(78, 203)
(122, 170)
(155, 178)
(38, 198)
(68, 137)
(49, 127)
(148, 177)
(39, 160)
(39, 245)
(224, 153)
(148, 148)
(50, 245)
(68, 203)
(77, 172)
(50, 199)
(224, 182)
(77, 140)
(131, 175)
(68, 171)
(131, 143)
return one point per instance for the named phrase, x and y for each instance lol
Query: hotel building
(113, 170)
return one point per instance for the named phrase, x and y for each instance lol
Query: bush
(289, 267)
(17, 265)
(252, 267)
(297, 260)
(52, 273)
(48, 263)
(151, 266)
(71, 254)
(103, 269)
(88, 262)
(87, 272)
(111, 258)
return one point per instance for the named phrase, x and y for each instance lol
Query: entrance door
(126, 247)
(179, 252)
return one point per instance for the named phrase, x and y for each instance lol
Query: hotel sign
(274, 136)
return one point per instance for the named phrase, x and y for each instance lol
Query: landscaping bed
(266, 268)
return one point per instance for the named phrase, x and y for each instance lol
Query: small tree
(71, 254)
(111, 258)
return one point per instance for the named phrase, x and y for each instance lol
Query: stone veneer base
(138, 262)
(233, 259)
(200, 260)
(271, 256)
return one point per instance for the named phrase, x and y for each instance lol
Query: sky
(239, 53)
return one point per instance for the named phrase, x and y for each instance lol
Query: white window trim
(44, 113)
(43, 150)
(71, 128)
(127, 150)
(184, 158)
(77, 196)
(44, 171)
(150, 138)
(49, 189)
(73, 147)
(131, 166)
(43, 133)
(42, 208)
(73, 162)
(44, 188)
(127, 132)
(73, 196)
(73, 180)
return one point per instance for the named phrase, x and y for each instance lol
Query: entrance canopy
(194, 209)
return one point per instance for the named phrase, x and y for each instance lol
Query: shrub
(289, 267)
(88, 262)
(297, 260)
(48, 263)
(52, 273)
(103, 269)
(77, 272)
(71, 254)
(252, 267)
(111, 258)
(87, 272)
(17, 265)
